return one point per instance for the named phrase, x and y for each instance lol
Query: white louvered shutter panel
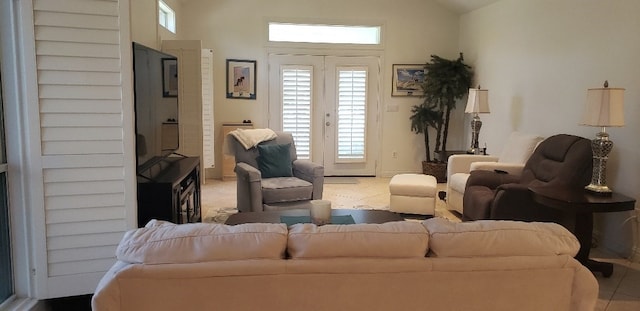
(296, 106)
(82, 54)
(208, 142)
(351, 116)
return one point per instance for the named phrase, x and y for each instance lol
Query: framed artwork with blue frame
(407, 80)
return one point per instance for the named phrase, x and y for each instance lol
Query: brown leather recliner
(559, 161)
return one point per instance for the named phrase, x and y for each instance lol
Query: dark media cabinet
(170, 190)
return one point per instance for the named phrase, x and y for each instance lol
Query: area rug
(219, 215)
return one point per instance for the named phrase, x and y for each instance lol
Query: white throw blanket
(248, 138)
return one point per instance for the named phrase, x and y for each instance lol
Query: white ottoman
(413, 194)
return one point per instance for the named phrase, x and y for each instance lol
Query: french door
(6, 270)
(330, 105)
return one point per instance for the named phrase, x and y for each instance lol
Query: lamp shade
(478, 101)
(605, 107)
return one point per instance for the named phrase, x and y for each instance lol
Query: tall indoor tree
(446, 81)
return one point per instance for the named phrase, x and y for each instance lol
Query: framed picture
(169, 77)
(407, 80)
(241, 78)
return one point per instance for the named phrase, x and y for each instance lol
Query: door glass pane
(351, 115)
(6, 281)
(296, 106)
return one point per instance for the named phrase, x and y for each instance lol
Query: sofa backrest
(250, 156)
(496, 238)
(561, 160)
(401, 239)
(164, 242)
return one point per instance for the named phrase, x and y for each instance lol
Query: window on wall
(166, 17)
(316, 33)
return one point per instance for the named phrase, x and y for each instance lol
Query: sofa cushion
(285, 189)
(200, 242)
(401, 239)
(495, 238)
(274, 160)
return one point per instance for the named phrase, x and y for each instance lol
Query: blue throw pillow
(274, 160)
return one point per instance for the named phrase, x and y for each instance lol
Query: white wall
(144, 22)
(414, 29)
(538, 58)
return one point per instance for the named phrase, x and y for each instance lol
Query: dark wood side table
(580, 206)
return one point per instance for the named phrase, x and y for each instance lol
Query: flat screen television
(155, 76)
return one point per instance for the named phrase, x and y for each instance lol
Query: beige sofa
(433, 265)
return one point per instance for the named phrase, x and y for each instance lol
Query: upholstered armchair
(562, 160)
(515, 153)
(271, 177)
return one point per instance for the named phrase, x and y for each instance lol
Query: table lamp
(478, 102)
(605, 107)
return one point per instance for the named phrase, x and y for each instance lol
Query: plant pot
(435, 169)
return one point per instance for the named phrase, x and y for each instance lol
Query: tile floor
(620, 292)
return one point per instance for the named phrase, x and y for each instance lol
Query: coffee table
(360, 216)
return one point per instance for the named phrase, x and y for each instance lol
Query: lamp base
(601, 190)
(476, 124)
(601, 146)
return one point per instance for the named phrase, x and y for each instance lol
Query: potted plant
(446, 81)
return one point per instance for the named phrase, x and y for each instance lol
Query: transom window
(317, 33)
(166, 16)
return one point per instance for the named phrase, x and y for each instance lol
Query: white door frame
(274, 120)
(332, 166)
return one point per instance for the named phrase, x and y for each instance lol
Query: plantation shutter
(208, 141)
(296, 106)
(351, 114)
(87, 189)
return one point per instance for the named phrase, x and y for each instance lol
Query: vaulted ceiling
(465, 6)
(458, 6)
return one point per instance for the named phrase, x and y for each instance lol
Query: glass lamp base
(599, 189)
(601, 146)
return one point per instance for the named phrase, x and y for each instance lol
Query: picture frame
(241, 79)
(169, 77)
(407, 80)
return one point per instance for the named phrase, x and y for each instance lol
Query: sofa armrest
(461, 163)
(490, 179)
(247, 172)
(511, 168)
(311, 172)
(249, 188)
(307, 170)
(515, 202)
